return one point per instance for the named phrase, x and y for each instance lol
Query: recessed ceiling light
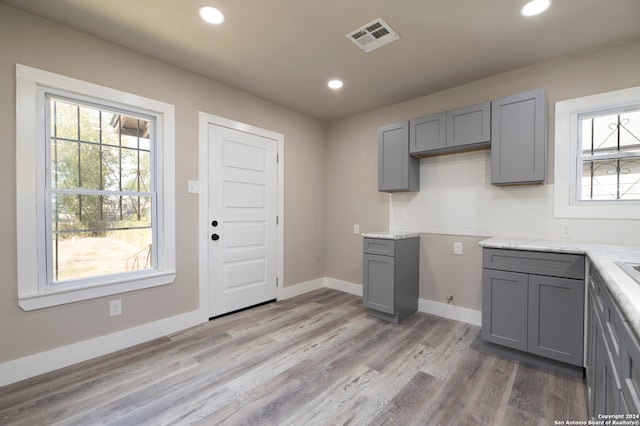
(335, 84)
(211, 15)
(535, 7)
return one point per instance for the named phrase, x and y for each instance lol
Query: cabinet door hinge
(277, 220)
(277, 158)
(277, 282)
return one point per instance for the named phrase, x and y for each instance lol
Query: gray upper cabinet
(519, 139)
(397, 170)
(470, 125)
(452, 131)
(428, 133)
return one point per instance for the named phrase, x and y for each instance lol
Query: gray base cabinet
(534, 302)
(519, 139)
(391, 278)
(397, 170)
(613, 355)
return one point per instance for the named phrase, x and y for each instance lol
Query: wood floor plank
(316, 359)
(446, 354)
(476, 391)
(514, 416)
(266, 406)
(528, 392)
(408, 406)
(389, 383)
(338, 397)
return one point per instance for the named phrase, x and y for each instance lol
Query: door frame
(204, 119)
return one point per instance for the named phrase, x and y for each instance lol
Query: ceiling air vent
(373, 35)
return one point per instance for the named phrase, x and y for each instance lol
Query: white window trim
(566, 158)
(29, 230)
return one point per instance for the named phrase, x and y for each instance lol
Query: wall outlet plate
(115, 308)
(457, 248)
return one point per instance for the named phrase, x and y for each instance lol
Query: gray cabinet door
(630, 371)
(427, 133)
(397, 170)
(608, 398)
(504, 308)
(378, 291)
(469, 125)
(556, 320)
(593, 327)
(519, 138)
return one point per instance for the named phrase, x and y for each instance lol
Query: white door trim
(204, 119)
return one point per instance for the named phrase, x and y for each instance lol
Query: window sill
(47, 298)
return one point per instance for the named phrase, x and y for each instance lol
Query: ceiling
(285, 51)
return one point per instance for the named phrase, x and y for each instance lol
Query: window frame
(568, 159)
(31, 87)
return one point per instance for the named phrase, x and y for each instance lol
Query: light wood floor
(316, 359)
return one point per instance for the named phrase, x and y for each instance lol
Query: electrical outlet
(457, 248)
(115, 308)
(564, 231)
(356, 229)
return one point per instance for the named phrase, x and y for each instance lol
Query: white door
(242, 248)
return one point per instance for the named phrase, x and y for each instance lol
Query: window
(99, 185)
(597, 156)
(95, 190)
(610, 155)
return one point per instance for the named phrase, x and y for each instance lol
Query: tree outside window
(100, 191)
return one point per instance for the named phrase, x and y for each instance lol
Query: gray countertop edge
(390, 235)
(624, 289)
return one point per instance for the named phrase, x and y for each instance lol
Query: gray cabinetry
(534, 302)
(613, 360)
(397, 170)
(504, 308)
(519, 139)
(391, 278)
(456, 130)
(469, 125)
(556, 318)
(428, 133)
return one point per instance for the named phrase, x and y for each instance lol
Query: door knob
(215, 237)
(214, 223)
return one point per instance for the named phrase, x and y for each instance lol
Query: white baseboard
(346, 286)
(298, 289)
(44, 362)
(305, 287)
(470, 316)
(457, 313)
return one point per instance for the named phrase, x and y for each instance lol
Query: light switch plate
(194, 187)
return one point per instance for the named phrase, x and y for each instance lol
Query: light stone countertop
(624, 289)
(390, 235)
